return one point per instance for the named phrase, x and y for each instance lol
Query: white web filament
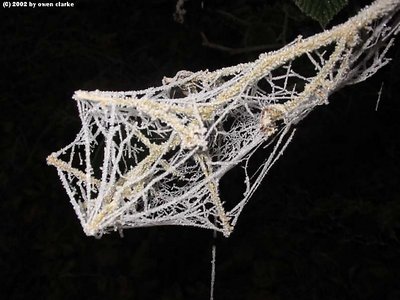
(156, 156)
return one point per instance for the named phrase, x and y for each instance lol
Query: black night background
(325, 223)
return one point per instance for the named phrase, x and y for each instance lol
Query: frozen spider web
(156, 156)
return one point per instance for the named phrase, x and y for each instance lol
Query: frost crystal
(156, 156)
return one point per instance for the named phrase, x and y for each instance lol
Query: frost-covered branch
(156, 156)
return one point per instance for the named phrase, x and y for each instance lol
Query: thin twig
(232, 17)
(234, 51)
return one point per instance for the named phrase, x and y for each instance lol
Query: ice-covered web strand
(156, 156)
(213, 260)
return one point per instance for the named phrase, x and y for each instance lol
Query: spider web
(156, 156)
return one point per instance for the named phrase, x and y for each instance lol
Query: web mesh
(156, 156)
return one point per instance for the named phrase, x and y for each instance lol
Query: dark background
(325, 224)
